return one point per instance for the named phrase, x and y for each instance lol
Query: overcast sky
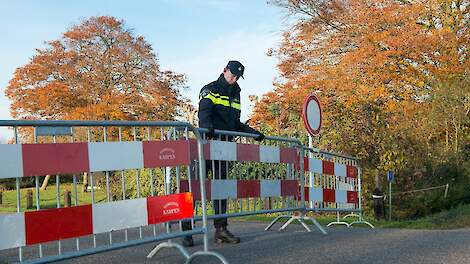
(193, 37)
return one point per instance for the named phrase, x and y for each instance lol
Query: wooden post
(1, 197)
(29, 199)
(67, 198)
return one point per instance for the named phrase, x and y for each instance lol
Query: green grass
(48, 198)
(458, 217)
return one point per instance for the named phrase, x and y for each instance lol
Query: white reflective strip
(315, 165)
(110, 156)
(222, 150)
(315, 194)
(12, 231)
(223, 189)
(270, 154)
(119, 215)
(270, 188)
(340, 169)
(11, 156)
(341, 196)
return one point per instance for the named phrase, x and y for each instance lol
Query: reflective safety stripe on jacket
(218, 99)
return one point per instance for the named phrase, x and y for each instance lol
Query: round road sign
(311, 114)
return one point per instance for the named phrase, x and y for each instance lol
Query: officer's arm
(205, 109)
(245, 128)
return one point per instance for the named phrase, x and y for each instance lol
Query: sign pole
(390, 177)
(390, 201)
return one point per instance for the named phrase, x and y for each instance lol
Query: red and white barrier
(237, 189)
(28, 228)
(23, 160)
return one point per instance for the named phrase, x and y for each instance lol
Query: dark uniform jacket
(219, 107)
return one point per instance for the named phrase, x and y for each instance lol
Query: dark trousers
(219, 172)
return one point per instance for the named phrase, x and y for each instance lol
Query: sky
(193, 37)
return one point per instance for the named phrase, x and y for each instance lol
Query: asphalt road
(341, 245)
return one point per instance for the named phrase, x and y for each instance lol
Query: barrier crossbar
(113, 154)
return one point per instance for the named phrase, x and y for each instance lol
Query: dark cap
(236, 68)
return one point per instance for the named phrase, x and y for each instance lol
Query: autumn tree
(98, 70)
(392, 77)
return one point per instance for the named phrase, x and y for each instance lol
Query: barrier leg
(315, 222)
(361, 221)
(351, 215)
(337, 222)
(206, 253)
(275, 221)
(169, 244)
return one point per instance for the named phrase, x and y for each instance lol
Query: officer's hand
(260, 136)
(210, 134)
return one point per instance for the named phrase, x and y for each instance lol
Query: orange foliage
(97, 70)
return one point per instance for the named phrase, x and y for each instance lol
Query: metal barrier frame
(352, 212)
(297, 213)
(15, 124)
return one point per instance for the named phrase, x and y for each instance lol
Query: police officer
(220, 108)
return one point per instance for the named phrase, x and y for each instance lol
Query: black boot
(187, 241)
(222, 235)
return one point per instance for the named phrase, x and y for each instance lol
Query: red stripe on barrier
(59, 158)
(288, 155)
(307, 193)
(54, 224)
(248, 188)
(328, 167)
(194, 152)
(352, 197)
(196, 190)
(166, 208)
(166, 153)
(351, 171)
(247, 152)
(329, 195)
(289, 188)
(297, 164)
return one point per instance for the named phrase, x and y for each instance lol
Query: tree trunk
(45, 182)
(85, 181)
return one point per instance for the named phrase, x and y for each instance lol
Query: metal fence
(145, 181)
(130, 167)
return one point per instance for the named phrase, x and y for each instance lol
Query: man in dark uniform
(219, 108)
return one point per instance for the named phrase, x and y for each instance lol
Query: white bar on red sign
(269, 154)
(223, 150)
(341, 196)
(340, 169)
(111, 156)
(223, 189)
(12, 230)
(119, 215)
(315, 194)
(12, 161)
(270, 188)
(315, 165)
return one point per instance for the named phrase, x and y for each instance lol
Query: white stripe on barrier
(315, 165)
(340, 169)
(110, 156)
(223, 150)
(316, 194)
(341, 196)
(12, 230)
(270, 188)
(119, 215)
(12, 161)
(270, 154)
(223, 189)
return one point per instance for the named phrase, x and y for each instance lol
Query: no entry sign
(311, 114)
